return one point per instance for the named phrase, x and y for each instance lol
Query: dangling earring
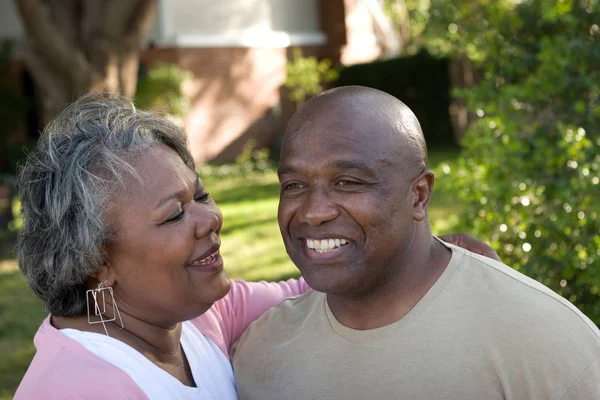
(98, 295)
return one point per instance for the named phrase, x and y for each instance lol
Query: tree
(78, 45)
(529, 175)
(306, 76)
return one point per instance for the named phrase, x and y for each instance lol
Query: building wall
(237, 52)
(362, 43)
(236, 23)
(234, 97)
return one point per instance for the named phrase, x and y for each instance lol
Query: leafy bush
(250, 161)
(530, 172)
(307, 75)
(161, 88)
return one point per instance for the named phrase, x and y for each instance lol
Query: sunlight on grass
(20, 315)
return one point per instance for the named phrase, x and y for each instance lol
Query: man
(395, 312)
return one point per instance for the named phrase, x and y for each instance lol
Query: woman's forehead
(159, 170)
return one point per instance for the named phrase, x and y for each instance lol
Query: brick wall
(237, 94)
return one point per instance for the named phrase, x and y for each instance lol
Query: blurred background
(506, 92)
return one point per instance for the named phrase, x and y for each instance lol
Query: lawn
(252, 250)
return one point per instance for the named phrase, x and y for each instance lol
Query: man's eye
(291, 186)
(202, 197)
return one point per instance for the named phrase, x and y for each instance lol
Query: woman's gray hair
(66, 186)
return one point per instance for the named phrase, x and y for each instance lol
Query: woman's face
(165, 257)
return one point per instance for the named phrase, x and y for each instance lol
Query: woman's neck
(143, 336)
(159, 344)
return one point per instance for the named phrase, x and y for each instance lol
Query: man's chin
(325, 279)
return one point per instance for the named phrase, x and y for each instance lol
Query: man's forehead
(333, 162)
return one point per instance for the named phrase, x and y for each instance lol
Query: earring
(99, 297)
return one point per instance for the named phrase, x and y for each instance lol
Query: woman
(121, 243)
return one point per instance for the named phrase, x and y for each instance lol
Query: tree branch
(54, 90)
(65, 15)
(117, 15)
(50, 41)
(140, 21)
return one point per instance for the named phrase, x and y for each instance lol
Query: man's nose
(318, 207)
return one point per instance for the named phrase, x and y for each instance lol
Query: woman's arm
(471, 243)
(245, 302)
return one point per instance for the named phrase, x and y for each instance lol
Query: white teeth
(325, 245)
(206, 260)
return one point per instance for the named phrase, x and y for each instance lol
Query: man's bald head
(375, 115)
(353, 167)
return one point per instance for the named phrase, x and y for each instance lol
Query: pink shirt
(63, 369)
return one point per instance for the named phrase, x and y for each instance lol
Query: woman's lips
(213, 262)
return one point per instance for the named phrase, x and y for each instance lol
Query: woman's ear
(421, 188)
(105, 275)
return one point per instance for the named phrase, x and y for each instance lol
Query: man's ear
(421, 189)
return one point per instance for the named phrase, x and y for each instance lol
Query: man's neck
(394, 298)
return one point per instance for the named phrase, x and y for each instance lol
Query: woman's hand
(471, 243)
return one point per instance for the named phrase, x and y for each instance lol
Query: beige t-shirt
(483, 331)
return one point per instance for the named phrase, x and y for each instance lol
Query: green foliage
(251, 160)
(16, 224)
(412, 13)
(306, 76)
(530, 172)
(161, 88)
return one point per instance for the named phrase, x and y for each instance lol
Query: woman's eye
(176, 217)
(202, 197)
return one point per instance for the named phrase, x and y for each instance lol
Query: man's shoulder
(295, 309)
(285, 318)
(518, 298)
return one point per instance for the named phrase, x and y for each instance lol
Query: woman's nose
(208, 219)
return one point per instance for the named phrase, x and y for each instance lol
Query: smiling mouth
(325, 245)
(206, 260)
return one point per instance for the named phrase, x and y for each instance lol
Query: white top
(210, 368)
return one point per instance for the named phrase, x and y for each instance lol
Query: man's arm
(471, 243)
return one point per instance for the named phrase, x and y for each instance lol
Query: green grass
(251, 247)
(20, 315)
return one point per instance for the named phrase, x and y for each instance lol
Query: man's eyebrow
(285, 169)
(348, 164)
(176, 195)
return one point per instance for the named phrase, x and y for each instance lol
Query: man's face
(346, 205)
